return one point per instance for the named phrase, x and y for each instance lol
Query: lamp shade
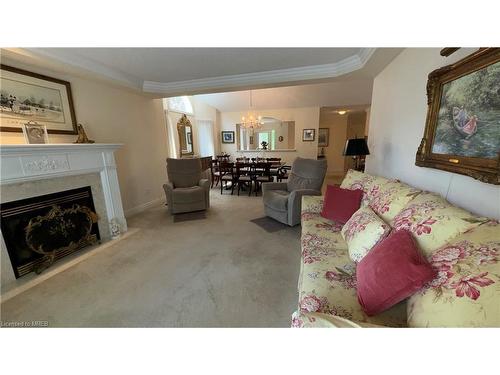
(356, 147)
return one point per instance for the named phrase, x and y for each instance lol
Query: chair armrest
(169, 188)
(204, 183)
(273, 186)
(295, 204)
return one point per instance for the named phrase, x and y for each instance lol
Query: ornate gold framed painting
(462, 130)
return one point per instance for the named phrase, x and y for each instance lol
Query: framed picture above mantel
(462, 130)
(26, 96)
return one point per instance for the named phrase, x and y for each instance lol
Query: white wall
(397, 122)
(113, 115)
(305, 118)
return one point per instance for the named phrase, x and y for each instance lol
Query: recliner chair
(186, 191)
(282, 200)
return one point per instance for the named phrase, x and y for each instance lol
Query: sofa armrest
(295, 203)
(321, 320)
(273, 186)
(312, 204)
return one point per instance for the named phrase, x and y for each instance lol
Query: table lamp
(356, 147)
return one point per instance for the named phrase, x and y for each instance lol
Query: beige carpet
(221, 271)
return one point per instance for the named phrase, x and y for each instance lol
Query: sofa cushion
(327, 281)
(188, 195)
(466, 291)
(355, 180)
(433, 221)
(388, 198)
(340, 204)
(276, 199)
(363, 231)
(393, 271)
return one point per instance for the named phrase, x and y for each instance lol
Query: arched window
(180, 104)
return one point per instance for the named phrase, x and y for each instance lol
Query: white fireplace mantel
(21, 163)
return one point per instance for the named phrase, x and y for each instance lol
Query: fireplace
(40, 230)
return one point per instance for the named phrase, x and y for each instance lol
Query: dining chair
(283, 173)
(214, 172)
(262, 174)
(243, 177)
(275, 166)
(227, 174)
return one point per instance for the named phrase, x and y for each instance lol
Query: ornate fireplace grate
(38, 231)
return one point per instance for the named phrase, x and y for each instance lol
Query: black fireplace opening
(41, 230)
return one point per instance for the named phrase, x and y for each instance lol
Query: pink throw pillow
(392, 271)
(339, 204)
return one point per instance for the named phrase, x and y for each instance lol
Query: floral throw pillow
(363, 231)
(466, 290)
(355, 180)
(388, 198)
(433, 221)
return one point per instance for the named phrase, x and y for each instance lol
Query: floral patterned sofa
(463, 248)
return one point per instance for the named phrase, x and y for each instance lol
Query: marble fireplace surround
(31, 170)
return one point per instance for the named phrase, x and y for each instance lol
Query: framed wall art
(35, 133)
(227, 137)
(462, 130)
(27, 96)
(323, 137)
(308, 135)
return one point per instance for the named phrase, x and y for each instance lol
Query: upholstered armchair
(186, 191)
(282, 200)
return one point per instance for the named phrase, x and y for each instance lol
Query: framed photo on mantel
(462, 130)
(27, 96)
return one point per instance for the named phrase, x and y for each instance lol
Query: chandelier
(250, 121)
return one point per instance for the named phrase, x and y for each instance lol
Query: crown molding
(212, 84)
(66, 56)
(305, 73)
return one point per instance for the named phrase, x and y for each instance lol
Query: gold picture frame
(462, 130)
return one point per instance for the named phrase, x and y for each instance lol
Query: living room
(243, 185)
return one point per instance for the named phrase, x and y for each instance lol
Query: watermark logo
(24, 323)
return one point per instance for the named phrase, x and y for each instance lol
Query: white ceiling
(338, 94)
(182, 64)
(181, 71)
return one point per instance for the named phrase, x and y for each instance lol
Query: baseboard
(142, 207)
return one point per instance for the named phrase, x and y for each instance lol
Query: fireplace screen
(40, 230)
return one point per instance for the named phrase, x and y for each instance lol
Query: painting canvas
(26, 96)
(227, 137)
(468, 121)
(323, 137)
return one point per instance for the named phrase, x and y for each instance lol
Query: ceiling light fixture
(341, 112)
(250, 121)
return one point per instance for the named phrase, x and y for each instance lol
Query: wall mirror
(185, 131)
(279, 135)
